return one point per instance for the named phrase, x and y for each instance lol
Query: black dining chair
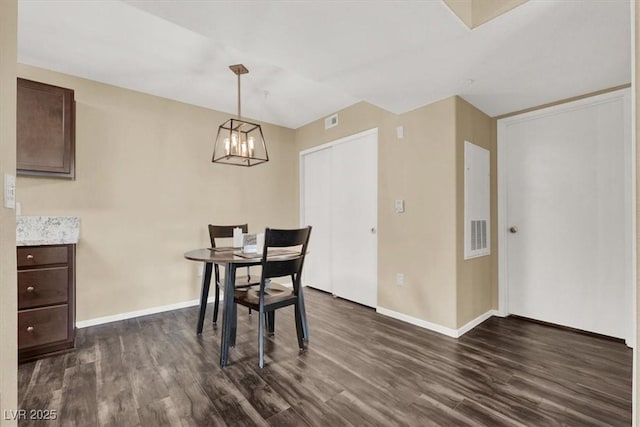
(282, 256)
(226, 232)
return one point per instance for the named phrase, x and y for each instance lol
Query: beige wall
(8, 288)
(146, 190)
(477, 278)
(424, 169)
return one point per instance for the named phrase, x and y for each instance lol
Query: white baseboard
(454, 333)
(475, 322)
(143, 312)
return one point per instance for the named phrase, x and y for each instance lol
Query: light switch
(399, 205)
(400, 132)
(9, 191)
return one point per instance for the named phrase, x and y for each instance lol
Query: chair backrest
(297, 240)
(223, 231)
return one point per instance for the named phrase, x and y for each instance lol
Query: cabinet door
(45, 130)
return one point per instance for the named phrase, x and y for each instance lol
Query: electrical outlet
(400, 279)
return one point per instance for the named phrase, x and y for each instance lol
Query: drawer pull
(30, 329)
(29, 256)
(30, 289)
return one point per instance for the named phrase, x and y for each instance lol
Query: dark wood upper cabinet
(45, 130)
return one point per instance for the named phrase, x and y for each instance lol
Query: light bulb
(234, 143)
(251, 146)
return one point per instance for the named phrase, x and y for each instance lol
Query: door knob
(513, 229)
(373, 230)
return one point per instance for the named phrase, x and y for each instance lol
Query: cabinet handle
(29, 256)
(30, 329)
(30, 289)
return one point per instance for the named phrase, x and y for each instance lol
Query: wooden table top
(234, 257)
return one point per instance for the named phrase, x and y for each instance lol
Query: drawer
(42, 286)
(40, 326)
(29, 256)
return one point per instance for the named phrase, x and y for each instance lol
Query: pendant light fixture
(239, 142)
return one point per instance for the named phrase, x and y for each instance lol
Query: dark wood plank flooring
(360, 369)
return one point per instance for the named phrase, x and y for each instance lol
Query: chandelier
(239, 142)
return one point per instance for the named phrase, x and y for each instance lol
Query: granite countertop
(47, 230)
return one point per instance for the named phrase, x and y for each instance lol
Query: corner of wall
(8, 290)
(476, 279)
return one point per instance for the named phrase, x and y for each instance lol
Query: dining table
(231, 259)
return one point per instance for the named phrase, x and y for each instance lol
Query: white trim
(503, 286)
(634, 273)
(475, 322)
(139, 313)
(454, 333)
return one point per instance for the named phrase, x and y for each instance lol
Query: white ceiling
(309, 59)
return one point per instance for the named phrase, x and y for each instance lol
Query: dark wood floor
(360, 369)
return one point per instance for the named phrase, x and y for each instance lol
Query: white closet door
(354, 219)
(568, 206)
(316, 210)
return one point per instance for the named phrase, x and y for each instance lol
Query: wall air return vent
(476, 201)
(331, 121)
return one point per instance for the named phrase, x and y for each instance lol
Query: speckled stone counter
(47, 230)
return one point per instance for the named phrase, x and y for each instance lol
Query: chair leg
(299, 327)
(270, 318)
(303, 314)
(216, 304)
(261, 338)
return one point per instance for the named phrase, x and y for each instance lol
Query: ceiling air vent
(331, 121)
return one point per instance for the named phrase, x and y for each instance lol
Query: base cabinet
(46, 300)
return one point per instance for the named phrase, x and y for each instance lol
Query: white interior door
(568, 199)
(339, 187)
(316, 209)
(354, 219)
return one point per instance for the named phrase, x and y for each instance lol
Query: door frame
(630, 214)
(301, 181)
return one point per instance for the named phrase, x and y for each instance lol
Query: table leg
(228, 322)
(204, 295)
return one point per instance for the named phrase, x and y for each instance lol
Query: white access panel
(477, 201)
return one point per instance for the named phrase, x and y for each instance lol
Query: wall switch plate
(400, 132)
(9, 191)
(399, 206)
(400, 279)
